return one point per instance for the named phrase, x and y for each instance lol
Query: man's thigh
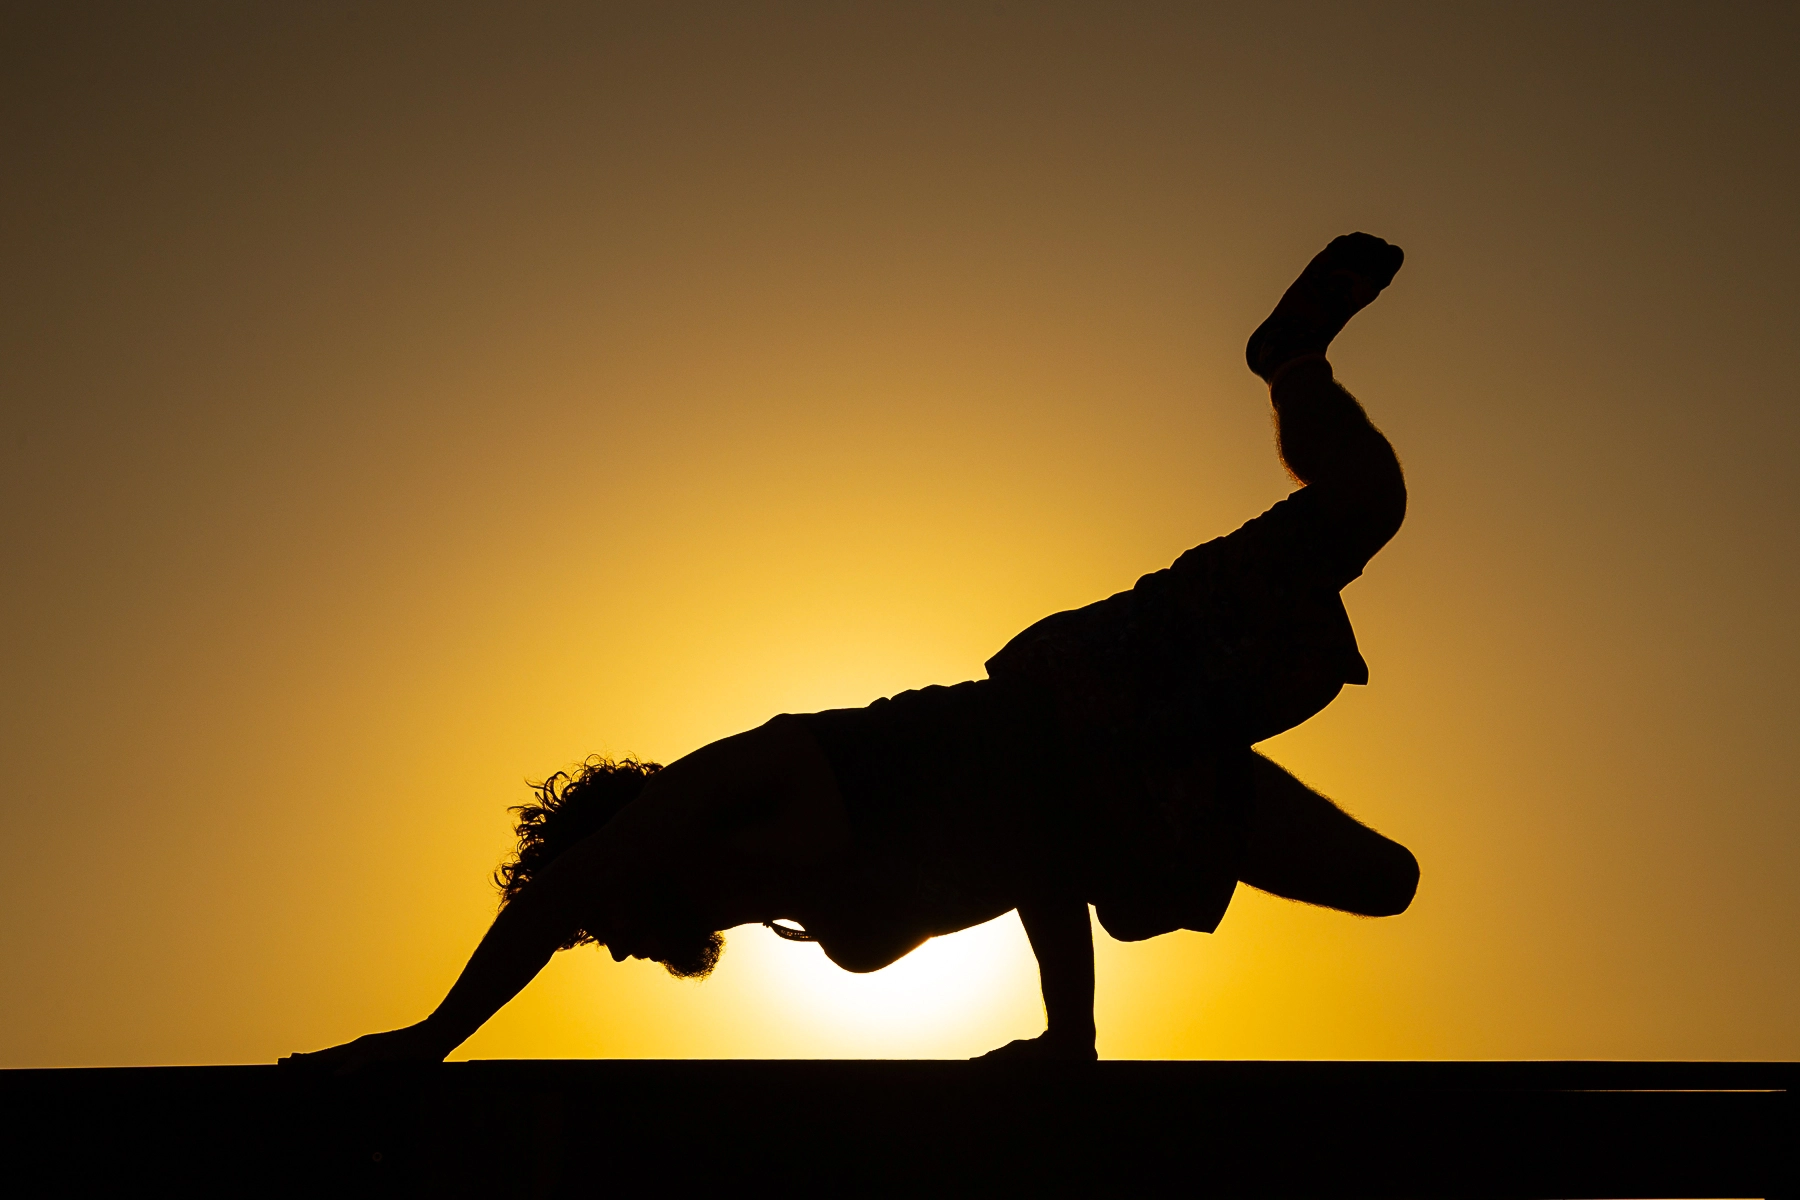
(1304, 847)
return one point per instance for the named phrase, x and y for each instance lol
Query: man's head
(646, 918)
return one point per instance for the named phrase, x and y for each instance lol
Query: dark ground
(496, 1129)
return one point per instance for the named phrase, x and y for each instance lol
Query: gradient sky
(399, 402)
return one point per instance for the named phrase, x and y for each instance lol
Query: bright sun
(951, 996)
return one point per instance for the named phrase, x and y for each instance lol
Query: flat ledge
(573, 1127)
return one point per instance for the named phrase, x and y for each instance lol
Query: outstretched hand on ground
(1042, 1048)
(413, 1045)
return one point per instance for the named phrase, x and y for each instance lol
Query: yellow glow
(955, 996)
(390, 412)
(926, 1000)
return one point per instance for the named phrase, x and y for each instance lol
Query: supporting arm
(1063, 940)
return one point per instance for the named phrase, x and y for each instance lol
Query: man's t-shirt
(1161, 690)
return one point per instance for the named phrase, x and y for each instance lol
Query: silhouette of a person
(1105, 760)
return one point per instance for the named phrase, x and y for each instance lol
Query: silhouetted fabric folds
(954, 800)
(1110, 747)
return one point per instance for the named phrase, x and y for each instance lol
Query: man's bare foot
(1336, 285)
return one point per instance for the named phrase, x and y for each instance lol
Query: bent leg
(1329, 444)
(1303, 847)
(1326, 440)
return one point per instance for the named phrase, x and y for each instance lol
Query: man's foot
(1335, 286)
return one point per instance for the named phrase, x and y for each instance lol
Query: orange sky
(401, 402)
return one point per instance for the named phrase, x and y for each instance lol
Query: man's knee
(1374, 494)
(1392, 888)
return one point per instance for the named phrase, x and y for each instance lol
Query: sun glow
(954, 997)
(405, 412)
(977, 987)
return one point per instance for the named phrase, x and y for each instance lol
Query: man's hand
(413, 1045)
(1043, 1048)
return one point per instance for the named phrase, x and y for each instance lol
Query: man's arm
(1063, 940)
(516, 947)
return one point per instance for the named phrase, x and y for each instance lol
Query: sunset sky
(399, 402)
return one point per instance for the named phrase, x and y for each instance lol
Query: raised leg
(1305, 848)
(1326, 439)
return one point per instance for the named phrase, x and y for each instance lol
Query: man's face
(633, 941)
(627, 935)
(689, 954)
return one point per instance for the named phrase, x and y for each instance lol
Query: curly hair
(570, 806)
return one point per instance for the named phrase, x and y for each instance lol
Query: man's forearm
(515, 948)
(1063, 941)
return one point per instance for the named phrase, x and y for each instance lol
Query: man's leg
(1304, 847)
(1326, 439)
